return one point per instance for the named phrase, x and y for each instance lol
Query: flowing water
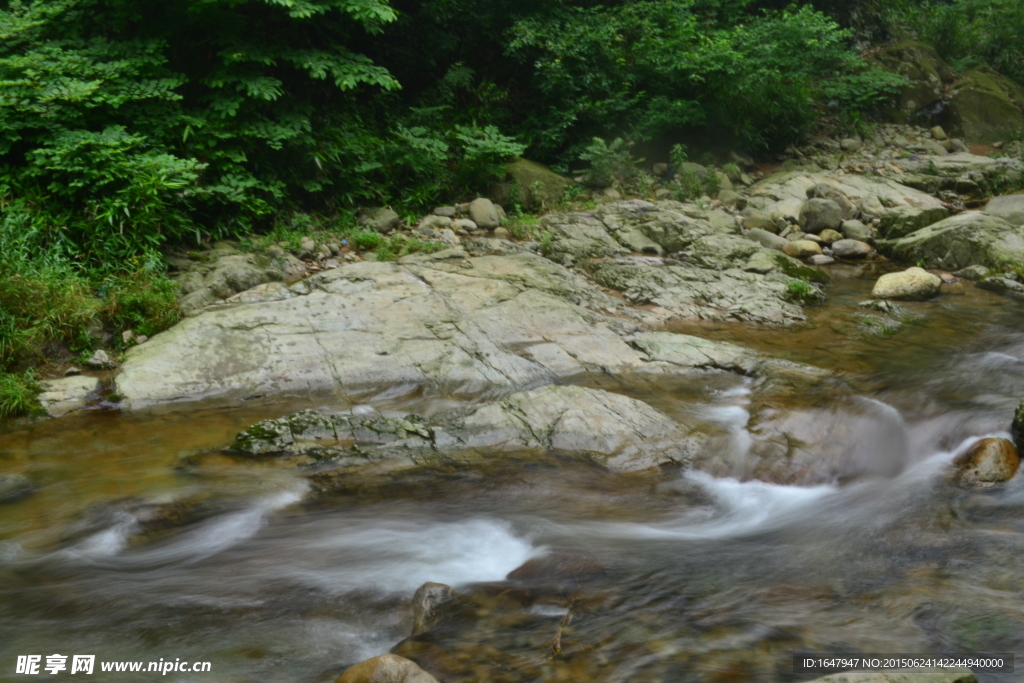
(567, 573)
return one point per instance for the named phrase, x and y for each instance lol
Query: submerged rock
(913, 284)
(1004, 286)
(386, 669)
(988, 462)
(15, 487)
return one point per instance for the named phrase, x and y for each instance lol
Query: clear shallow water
(682, 577)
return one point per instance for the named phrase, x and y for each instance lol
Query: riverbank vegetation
(127, 126)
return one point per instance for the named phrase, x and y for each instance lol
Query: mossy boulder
(925, 72)
(967, 239)
(985, 107)
(531, 185)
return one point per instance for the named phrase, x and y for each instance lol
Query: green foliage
(18, 393)
(966, 33)
(610, 164)
(678, 155)
(398, 245)
(803, 292)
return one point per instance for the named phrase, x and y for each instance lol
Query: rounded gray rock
(913, 284)
(820, 214)
(851, 249)
(856, 230)
(483, 212)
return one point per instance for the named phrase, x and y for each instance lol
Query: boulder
(908, 676)
(856, 230)
(902, 220)
(802, 249)
(987, 462)
(731, 199)
(465, 224)
(820, 214)
(531, 185)
(1010, 208)
(851, 249)
(446, 211)
(59, 397)
(913, 284)
(967, 239)
(925, 72)
(831, 191)
(381, 220)
(973, 273)
(985, 107)
(429, 605)
(100, 361)
(938, 133)
(386, 669)
(483, 212)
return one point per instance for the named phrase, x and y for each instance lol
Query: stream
(567, 572)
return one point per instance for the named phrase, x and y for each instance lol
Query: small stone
(973, 273)
(446, 211)
(759, 221)
(821, 260)
(127, 336)
(532, 246)
(430, 224)
(501, 233)
(856, 230)
(732, 200)
(663, 194)
(72, 372)
(913, 284)
(851, 249)
(386, 669)
(802, 249)
(988, 462)
(828, 236)
(381, 220)
(465, 224)
(659, 170)
(141, 339)
(612, 194)
(938, 133)
(307, 244)
(449, 238)
(101, 361)
(483, 212)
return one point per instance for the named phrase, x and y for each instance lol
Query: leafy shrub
(610, 164)
(18, 393)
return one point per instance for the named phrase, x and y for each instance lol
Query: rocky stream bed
(675, 442)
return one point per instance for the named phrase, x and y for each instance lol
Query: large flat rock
(967, 239)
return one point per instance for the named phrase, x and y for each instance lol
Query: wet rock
(15, 487)
(802, 249)
(1017, 429)
(1010, 208)
(913, 284)
(101, 361)
(386, 669)
(381, 220)
(973, 273)
(820, 214)
(72, 372)
(967, 239)
(821, 260)
(62, 396)
(852, 249)
(903, 220)
(916, 676)
(429, 605)
(1004, 286)
(988, 462)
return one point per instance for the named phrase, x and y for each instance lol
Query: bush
(18, 394)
